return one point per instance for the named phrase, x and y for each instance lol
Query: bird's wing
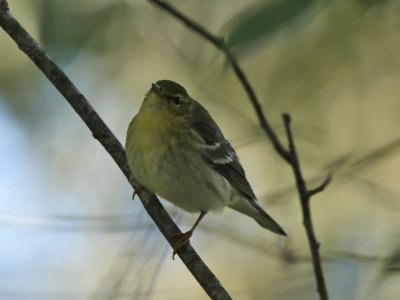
(223, 159)
(219, 154)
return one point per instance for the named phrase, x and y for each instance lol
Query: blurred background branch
(220, 44)
(290, 155)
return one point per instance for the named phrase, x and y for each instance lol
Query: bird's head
(168, 97)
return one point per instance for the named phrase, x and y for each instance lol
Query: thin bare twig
(305, 206)
(321, 187)
(220, 44)
(289, 155)
(103, 134)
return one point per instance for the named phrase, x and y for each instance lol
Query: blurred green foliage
(392, 264)
(262, 20)
(66, 29)
(371, 3)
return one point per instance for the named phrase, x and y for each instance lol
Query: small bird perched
(175, 149)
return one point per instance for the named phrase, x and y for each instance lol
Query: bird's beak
(156, 88)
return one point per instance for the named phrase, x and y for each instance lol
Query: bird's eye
(177, 99)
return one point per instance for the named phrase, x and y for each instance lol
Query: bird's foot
(183, 240)
(137, 191)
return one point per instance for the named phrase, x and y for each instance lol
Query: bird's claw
(137, 191)
(183, 240)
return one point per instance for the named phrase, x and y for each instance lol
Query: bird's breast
(173, 168)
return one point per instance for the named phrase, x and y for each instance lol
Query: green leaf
(261, 21)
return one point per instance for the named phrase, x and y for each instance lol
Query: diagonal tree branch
(289, 155)
(103, 134)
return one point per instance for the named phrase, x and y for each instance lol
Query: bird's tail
(255, 211)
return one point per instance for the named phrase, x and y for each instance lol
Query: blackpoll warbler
(176, 150)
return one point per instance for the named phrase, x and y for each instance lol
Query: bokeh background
(68, 226)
